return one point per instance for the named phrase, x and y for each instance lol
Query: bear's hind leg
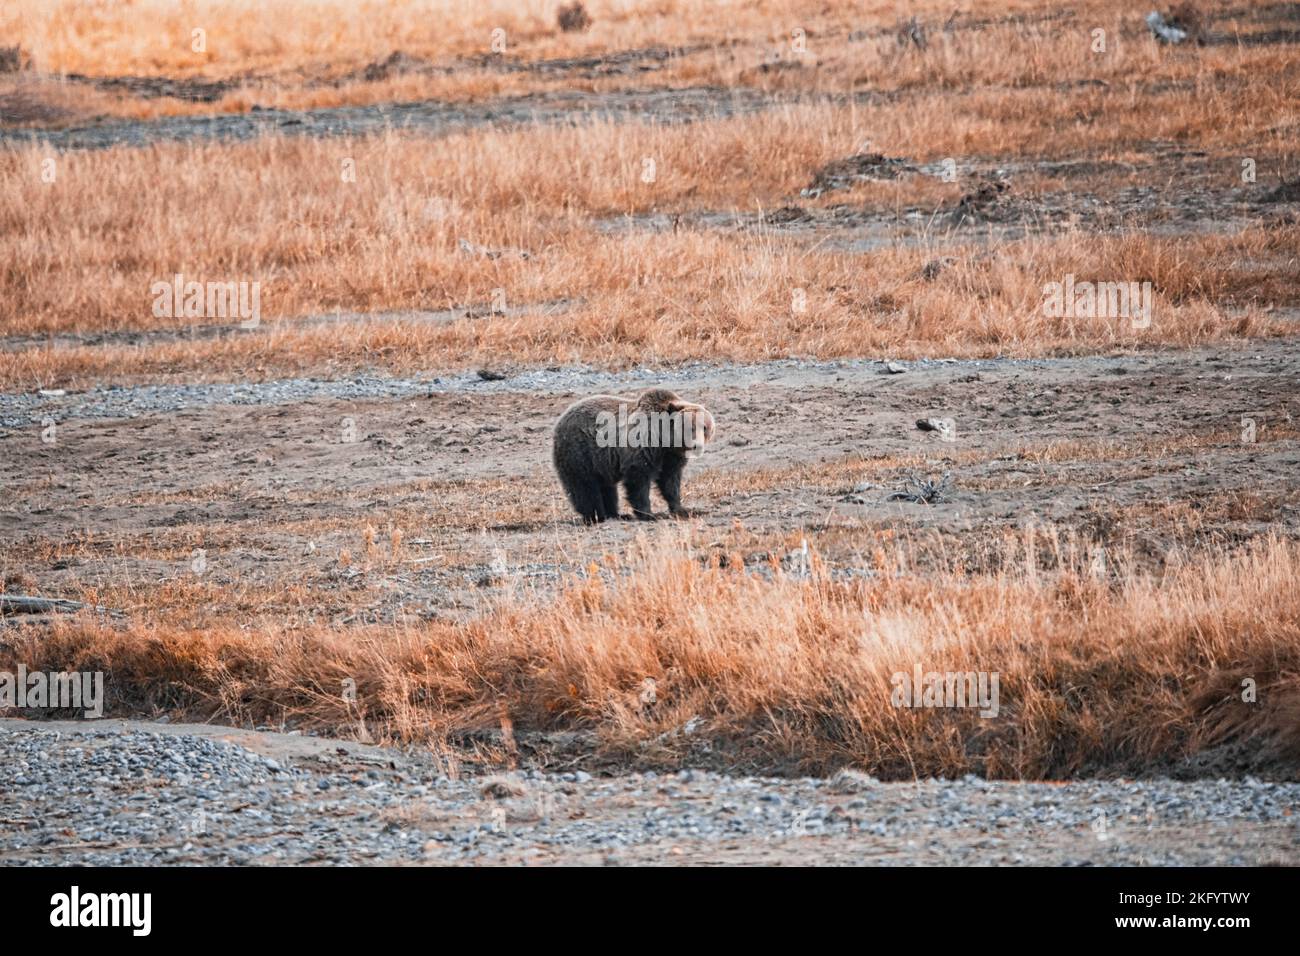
(586, 498)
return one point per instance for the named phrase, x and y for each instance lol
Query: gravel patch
(19, 410)
(140, 794)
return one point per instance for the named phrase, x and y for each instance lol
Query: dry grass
(271, 54)
(82, 254)
(699, 296)
(1096, 673)
(1022, 84)
(246, 36)
(1123, 670)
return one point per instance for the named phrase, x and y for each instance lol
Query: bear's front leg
(638, 495)
(670, 486)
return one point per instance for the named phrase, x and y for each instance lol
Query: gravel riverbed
(22, 409)
(135, 793)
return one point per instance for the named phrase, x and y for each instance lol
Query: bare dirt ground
(426, 118)
(1145, 450)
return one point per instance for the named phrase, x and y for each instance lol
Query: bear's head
(692, 425)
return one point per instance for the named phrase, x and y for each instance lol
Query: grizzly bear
(604, 440)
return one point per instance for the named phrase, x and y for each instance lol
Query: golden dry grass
(704, 297)
(81, 255)
(1097, 672)
(273, 52)
(1023, 84)
(247, 36)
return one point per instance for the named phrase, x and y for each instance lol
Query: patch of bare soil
(1168, 188)
(25, 106)
(1143, 452)
(860, 167)
(154, 87)
(618, 63)
(428, 117)
(1182, 191)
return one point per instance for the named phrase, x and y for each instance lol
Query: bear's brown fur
(604, 440)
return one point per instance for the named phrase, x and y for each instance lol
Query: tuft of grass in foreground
(1102, 668)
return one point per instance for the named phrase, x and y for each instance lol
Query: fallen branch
(26, 604)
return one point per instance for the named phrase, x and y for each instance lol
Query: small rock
(500, 788)
(1164, 31)
(945, 427)
(848, 780)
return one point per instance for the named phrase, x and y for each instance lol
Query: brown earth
(1143, 452)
